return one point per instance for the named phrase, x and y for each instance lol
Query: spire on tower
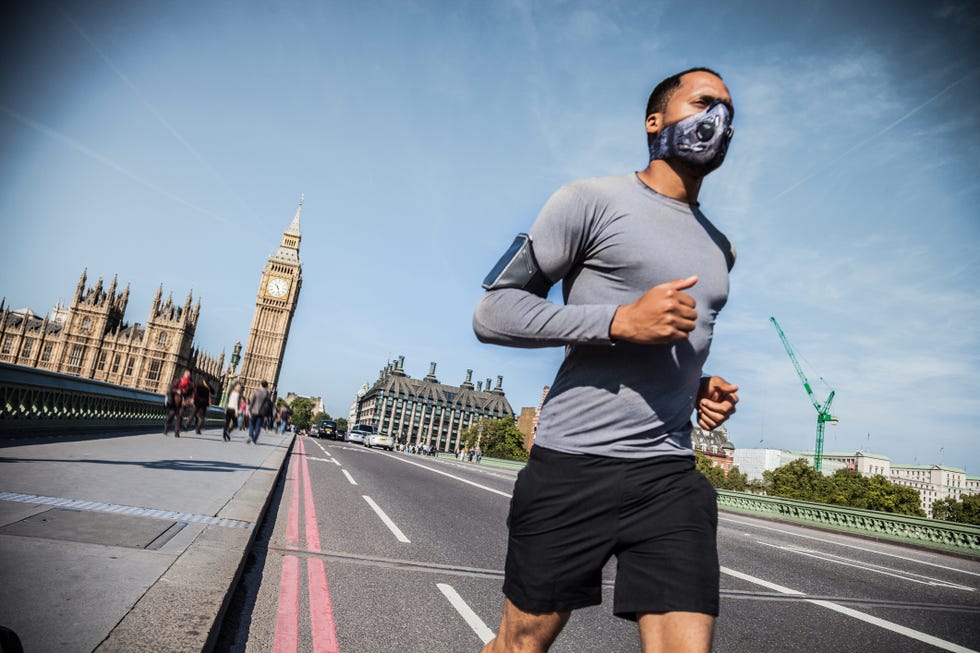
(293, 228)
(81, 283)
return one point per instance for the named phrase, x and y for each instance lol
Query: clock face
(278, 287)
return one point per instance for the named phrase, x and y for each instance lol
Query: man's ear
(655, 122)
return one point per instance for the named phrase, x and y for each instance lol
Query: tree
(948, 509)
(302, 413)
(846, 487)
(965, 511)
(757, 486)
(341, 424)
(797, 480)
(702, 463)
(733, 480)
(715, 475)
(891, 497)
(319, 417)
(971, 509)
(736, 480)
(500, 439)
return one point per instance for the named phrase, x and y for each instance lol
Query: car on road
(356, 436)
(358, 431)
(380, 440)
(328, 429)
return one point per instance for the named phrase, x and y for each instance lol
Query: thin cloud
(861, 144)
(106, 161)
(156, 114)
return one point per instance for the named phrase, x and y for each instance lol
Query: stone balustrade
(36, 401)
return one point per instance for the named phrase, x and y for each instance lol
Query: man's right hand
(662, 315)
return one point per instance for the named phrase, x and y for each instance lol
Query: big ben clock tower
(274, 308)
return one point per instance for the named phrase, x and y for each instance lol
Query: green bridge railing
(932, 533)
(36, 401)
(949, 536)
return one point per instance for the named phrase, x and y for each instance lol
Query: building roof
(393, 381)
(16, 319)
(705, 440)
(868, 454)
(942, 467)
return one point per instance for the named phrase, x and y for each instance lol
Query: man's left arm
(715, 402)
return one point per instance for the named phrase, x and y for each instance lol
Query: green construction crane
(823, 412)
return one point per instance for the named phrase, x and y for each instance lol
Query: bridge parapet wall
(921, 531)
(34, 401)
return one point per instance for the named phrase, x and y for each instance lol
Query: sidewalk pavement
(128, 542)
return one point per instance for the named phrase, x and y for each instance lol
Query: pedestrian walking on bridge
(174, 401)
(258, 408)
(186, 384)
(202, 399)
(231, 410)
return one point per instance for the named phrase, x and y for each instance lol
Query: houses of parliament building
(89, 338)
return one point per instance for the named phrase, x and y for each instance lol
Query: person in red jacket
(186, 385)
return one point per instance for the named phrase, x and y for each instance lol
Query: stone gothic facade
(89, 338)
(275, 305)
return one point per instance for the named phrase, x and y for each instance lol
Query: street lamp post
(231, 374)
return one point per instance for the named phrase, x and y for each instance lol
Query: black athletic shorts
(571, 513)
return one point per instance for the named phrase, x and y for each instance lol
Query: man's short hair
(265, 384)
(664, 90)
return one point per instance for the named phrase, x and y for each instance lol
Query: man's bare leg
(526, 632)
(687, 632)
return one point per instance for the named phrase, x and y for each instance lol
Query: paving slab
(128, 542)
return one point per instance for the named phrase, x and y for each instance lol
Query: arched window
(162, 339)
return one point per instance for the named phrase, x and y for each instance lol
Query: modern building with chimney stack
(425, 411)
(89, 338)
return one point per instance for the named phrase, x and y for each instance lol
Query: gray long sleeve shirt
(609, 240)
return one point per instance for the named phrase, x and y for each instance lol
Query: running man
(644, 275)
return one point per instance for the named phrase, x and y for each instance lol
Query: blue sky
(170, 142)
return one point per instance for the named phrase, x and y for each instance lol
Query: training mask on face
(700, 140)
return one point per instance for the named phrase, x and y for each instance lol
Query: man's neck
(668, 179)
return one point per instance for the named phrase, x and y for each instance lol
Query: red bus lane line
(309, 510)
(322, 623)
(286, 639)
(292, 522)
(321, 610)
